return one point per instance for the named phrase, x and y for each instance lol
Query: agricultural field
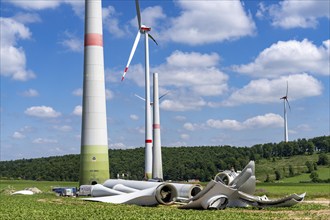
(49, 206)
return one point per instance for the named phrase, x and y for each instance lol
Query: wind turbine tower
(148, 131)
(285, 101)
(157, 169)
(94, 160)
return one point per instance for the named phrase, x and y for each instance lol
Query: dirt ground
(321, 201)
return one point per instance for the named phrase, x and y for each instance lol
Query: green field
(49, 206)
(276, 190)
(323, 172)
(264, 167)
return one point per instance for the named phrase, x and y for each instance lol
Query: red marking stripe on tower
(148, 141)
(156, 126)
(93, 40)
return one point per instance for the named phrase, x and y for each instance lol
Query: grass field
(49, 206)
(264, 167)
(276, 190)
(323, 172)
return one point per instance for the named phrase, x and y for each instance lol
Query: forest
(179, 163)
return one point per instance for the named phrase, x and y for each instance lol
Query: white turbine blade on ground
(138, 13)
(132, 54)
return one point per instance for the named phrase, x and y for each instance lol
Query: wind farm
(229, 188)
(218, 97)
(142, 29)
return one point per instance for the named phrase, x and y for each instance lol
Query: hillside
(183, 163)
(298, 164)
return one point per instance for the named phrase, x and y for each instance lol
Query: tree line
(179, 163)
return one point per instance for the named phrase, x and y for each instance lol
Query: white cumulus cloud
(13, 59)
(111, 22)
(77, 110)
(183, 104)
(196, 72)
(271, 90)
(224, 124)
(203, 22)
(267, 120)
(42, 112)
(295, 14)
(192, 126)
(36, 5)
(151, 17)
(192, 75)
(289, 57)
(18, 135)
(260, 121)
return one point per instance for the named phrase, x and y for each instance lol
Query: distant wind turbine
(157, 165)
(285, 101)
(148, 133)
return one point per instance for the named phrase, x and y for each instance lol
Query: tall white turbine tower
(285, 101)
(157, 167)
(94, 160)
(148, 132)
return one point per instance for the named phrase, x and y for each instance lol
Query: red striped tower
(157, 167)
(94, 160)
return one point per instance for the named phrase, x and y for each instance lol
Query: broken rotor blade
(132, 54)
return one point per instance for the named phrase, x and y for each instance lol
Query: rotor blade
(132, 54)
(164, 95)
(287, 88)
(288, 104)
(138, 13)
(153, 39)
(140, 97)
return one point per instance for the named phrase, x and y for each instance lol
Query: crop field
(49, 206)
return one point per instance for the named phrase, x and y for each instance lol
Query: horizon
(132, 148)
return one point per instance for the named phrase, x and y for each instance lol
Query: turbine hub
(145, 29)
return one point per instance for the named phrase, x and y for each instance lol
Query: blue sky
(225, 63)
